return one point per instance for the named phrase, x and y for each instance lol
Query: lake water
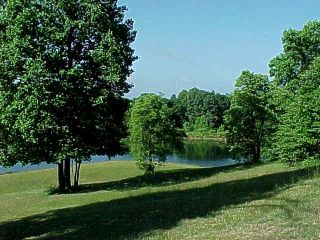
(199, 153)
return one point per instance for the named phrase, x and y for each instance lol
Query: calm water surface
(199, 153)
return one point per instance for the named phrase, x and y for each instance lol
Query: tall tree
(246, 120)
(298, 135)
(152, 131)
(295, 94)
(63, 71)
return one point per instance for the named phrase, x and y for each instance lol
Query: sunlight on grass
(271, 201)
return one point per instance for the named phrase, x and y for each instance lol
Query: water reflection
(203, 153)
(199, 153)
(204, 150)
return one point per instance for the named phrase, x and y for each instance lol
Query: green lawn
(271, 201)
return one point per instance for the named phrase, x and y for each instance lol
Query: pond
(199, 153)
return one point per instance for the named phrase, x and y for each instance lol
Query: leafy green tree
(63, 71)
(200, 126)
(178, 111)
(298, 134)
(246, 121)
(300, 48)
(152, 132)
(295, 95)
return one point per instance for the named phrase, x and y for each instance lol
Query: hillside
(271, 201)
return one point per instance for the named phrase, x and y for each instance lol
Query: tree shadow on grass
(130, 217)
(158, 179)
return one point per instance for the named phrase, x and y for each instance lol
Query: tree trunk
(259, 153)
(66, 173)
(64, 180)
(61, 183)
(256, 153)
(76, 173)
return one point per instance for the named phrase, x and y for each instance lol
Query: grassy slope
(269, 201)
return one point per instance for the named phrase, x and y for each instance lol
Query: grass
(271, 201)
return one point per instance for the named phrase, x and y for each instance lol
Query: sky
(207, 43)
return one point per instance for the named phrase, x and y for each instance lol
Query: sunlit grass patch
(270, 201)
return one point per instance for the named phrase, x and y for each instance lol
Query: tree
(63, 71)
(295, 94)
(298, 134)
(246, 120)
(152, 132)
(300, 48)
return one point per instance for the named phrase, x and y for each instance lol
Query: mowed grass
(270, 201)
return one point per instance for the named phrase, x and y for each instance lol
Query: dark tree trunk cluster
(64, 176)
(64, 180)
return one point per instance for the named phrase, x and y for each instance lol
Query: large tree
(295, 93)
(63, 71)
(246, 121)
(152, 131)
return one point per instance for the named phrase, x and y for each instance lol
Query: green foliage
(200, 123)
(300, 48)
(246, 120)
(298, 135)
(53, 189)
(199, 127)
(63, 71)
(152, 132)
(296, 95)
(194, 104)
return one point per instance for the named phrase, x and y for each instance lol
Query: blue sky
(207, 43)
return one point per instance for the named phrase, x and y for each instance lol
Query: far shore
(209, 138)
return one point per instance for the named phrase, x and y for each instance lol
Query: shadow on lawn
(129, 217)
(163, 178)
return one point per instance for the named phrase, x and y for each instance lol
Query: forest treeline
(199, 111)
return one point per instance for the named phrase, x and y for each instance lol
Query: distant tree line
(197, 109)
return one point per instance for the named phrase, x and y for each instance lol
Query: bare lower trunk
(76, 173)
(66, 171)
(61, 183)
(64, 181)
(256, 154)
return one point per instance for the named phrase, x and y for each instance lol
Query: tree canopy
(246, 121)
(152, 131)
(63, 71)
(296, 95)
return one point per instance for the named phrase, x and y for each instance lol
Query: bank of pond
(199, 153)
